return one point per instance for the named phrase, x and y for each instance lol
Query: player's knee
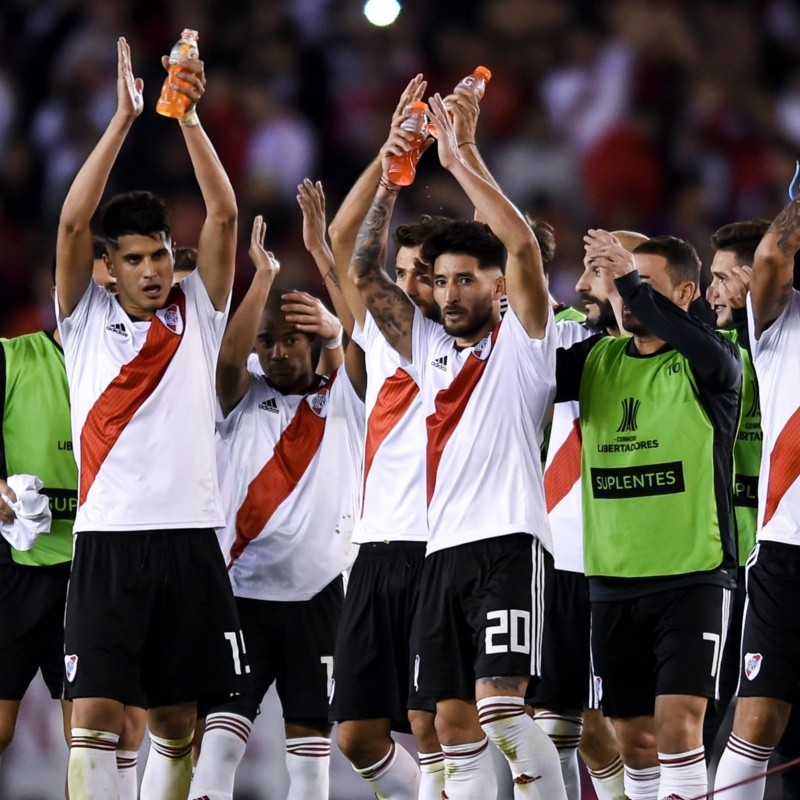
(423, 728)
(598, 743)
(173, 722)
(360, 747)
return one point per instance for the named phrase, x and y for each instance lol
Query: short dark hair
(546, 238)
(741, 238)
(413, 234)
(98, 246)
(468, 238)
(683, 263)
(185, 259)
(134, 213)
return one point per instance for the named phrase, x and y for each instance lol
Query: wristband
(463, 143)
(390, 187)
(190, 119)
(336, 341)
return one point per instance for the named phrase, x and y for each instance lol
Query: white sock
(531, 755)
(92, 773)
(469, 772)
(308, 760)
(683, 774)
(742, 760)
(642, 784)
(394, 777)
(224, 743)
(168, 772)
(608, 782)
(565, 733)
(126, 774)
(431, 777)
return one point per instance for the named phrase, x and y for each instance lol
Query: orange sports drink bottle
(477, 81)
(402, 169)
(172, 103)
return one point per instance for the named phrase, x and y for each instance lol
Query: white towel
(33, 515)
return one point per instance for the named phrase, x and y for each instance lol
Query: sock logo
(70, 666)
(752, 664)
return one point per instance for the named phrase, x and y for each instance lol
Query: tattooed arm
(390, 306)
(771, 286)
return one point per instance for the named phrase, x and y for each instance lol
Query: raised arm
(74, 254)
(390, 306)
(465, 108)
(216, 249)
(526, 285)
(344, 228)
(773, 267)
(237, 344)
(311, 199)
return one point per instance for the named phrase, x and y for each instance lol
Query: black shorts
(32, 628)
(770, 655)
(566, 682)
(151, 619)
(667, 642)
(372, 676)
(290, 644)
(481, 612)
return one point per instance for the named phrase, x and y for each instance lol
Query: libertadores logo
(630, 410)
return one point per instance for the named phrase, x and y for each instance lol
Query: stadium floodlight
(381, 12)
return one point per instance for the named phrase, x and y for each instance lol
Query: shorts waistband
(391, 549)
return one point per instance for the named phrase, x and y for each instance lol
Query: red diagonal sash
(565, 468)
(394, 398)
(277, 479)
(784, 465)
(136, 381)
(450, 405)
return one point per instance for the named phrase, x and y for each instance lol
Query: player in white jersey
(769, 678)
(373, 693)
(295, 441)
(486, 386)
(149, 610)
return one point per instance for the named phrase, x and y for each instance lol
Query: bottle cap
(188, 33)
(484, 73)
(418, 106)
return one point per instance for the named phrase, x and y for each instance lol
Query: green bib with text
(649, 508)
(746, 456)
(38, 438)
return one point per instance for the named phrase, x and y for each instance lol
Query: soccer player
(770, 645)
(486, 386)
(731, 269)
(150, 616)
(659, 545)
(565, 698)
(295, 442)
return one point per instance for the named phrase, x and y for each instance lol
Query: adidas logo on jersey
(440, 363)
(118, 328)
(269, 405)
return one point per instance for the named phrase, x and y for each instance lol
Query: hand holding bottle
(464, 107)
(185, 81)
(189, 82)
(129, 89)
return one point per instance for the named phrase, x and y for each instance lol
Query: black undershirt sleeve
(714, 359)
(569, 368)
(741, 327)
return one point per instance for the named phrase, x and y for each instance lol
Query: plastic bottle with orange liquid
(172, 103)
(403, 169)
(477, 80)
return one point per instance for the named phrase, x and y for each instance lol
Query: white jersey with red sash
(776, 357)
(486, 408)
(142, 407)
(393, 506)
(562, 472)
(295, 461)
